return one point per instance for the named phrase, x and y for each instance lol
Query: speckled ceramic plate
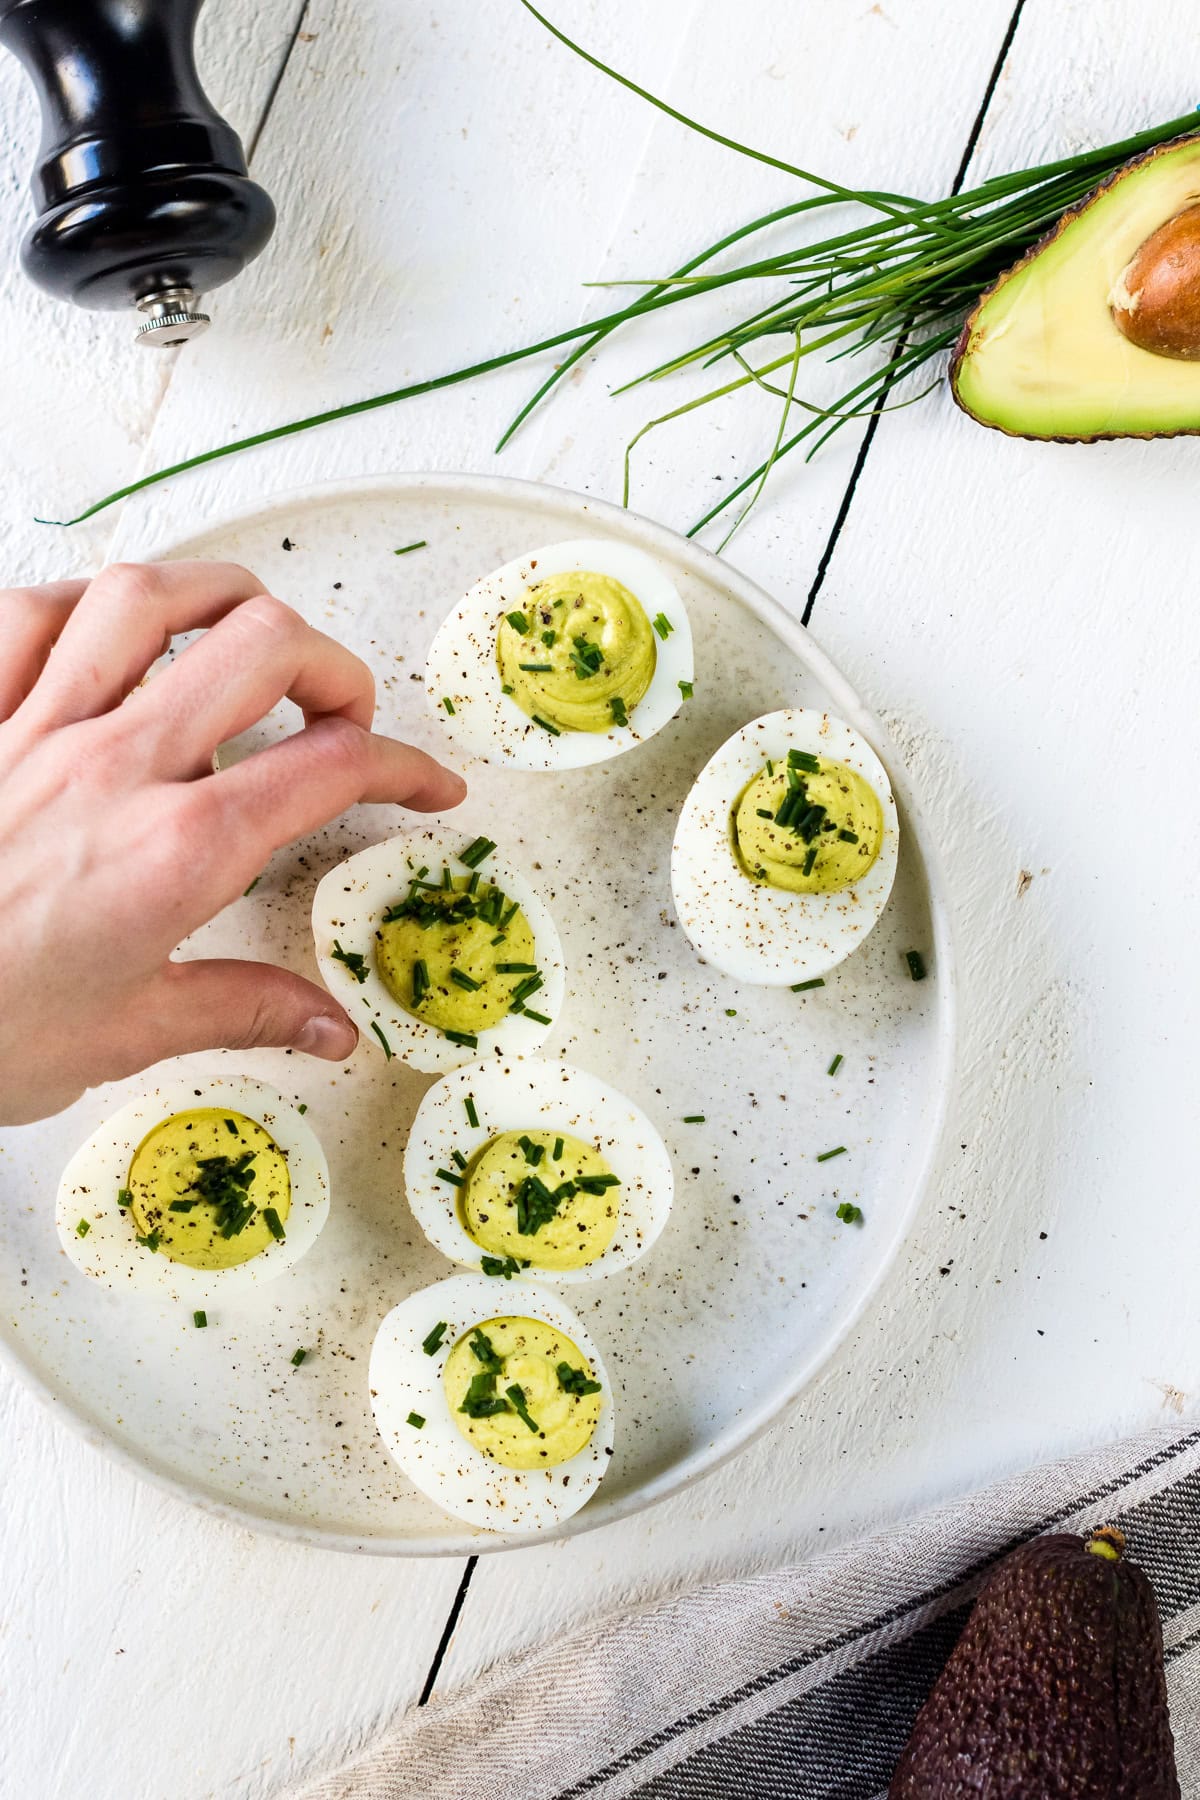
(753, 1281)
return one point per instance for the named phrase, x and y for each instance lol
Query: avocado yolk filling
(522, 1393)
(209, 1188)
(579, 655)
(807, 825)
(459, 956)
(541, 1196)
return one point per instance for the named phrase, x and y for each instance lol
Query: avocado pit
(1155, 301)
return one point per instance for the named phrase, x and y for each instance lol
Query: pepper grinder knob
(143, 194)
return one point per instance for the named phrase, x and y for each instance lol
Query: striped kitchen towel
(803, 1683)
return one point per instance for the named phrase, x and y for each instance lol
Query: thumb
(232, 1005)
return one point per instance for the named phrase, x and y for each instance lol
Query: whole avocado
(1055, 1690)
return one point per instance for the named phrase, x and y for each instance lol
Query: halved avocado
(1041, 356)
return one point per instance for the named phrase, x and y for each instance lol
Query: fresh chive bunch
(895, 285)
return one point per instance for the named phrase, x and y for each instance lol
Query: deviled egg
(566, 656)
(540, 1164)
(439, 948)
(785, 851)
(203, 1186)
(494, 1401)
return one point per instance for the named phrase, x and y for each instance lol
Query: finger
(122, 624)
(30, 620)
(245, 813)
(229, 1005)
(231, 677)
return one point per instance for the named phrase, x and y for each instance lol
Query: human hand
(117, 839)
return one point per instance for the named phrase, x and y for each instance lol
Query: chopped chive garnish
(827, 1154)
(687, 689)
(517, 1396)
(574, 1381)
(467, 1039)
(533, 1153)
(433, 1343)
(764, 812)
(447, 881)
(558, 1149)
(663, 625)
(200, 1318)
(458, 1159)
(516, 968)
(405, 548)
(809, 860)
(804, 759)
(548, 638)
(476, 852)
(536, 668)
(507, 1266)
(473, 884)
(598, 1184)
(124, 1198)
(620, 716)
(546, 725)
(731, 1012)
(414, 1419)
(509, 915)
(693, 1118)
(848, 837)
(150, 1241)
(519, 622)
(445, 1175)
(461, 979)
(251, 888)
(420, 981)
(916, 964)
(82, 1229)
(181, 1206)
(537, 1017)
(302, 1108)
(802, 987)
(505, 689)
(483, 1349)
(448, 703)
(849, 1214)
(355, 962)
(770, 767)
(231, 1126)
(298, 1357)
(387, 1048)
(472, 1115)
(274, 1223)
(836, 1064)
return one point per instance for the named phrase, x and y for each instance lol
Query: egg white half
(110, 1252)
(437, 1458)
(542, 1095)
(462, 662)
(348, 906)
(763, 934)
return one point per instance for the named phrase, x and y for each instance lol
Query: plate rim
(714, 571)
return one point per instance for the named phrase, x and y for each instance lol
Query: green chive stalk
(895, 285)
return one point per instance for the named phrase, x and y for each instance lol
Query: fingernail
(328, 1036)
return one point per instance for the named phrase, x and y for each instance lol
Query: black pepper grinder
(142, 190)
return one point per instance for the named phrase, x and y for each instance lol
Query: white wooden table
(1023, 617)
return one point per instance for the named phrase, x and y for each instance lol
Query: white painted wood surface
(1021, 616)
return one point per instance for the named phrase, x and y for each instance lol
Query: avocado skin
(1055, 1691)
(962, 348)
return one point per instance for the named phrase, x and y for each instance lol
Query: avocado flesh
(1055, 1688)
(1041, 356)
